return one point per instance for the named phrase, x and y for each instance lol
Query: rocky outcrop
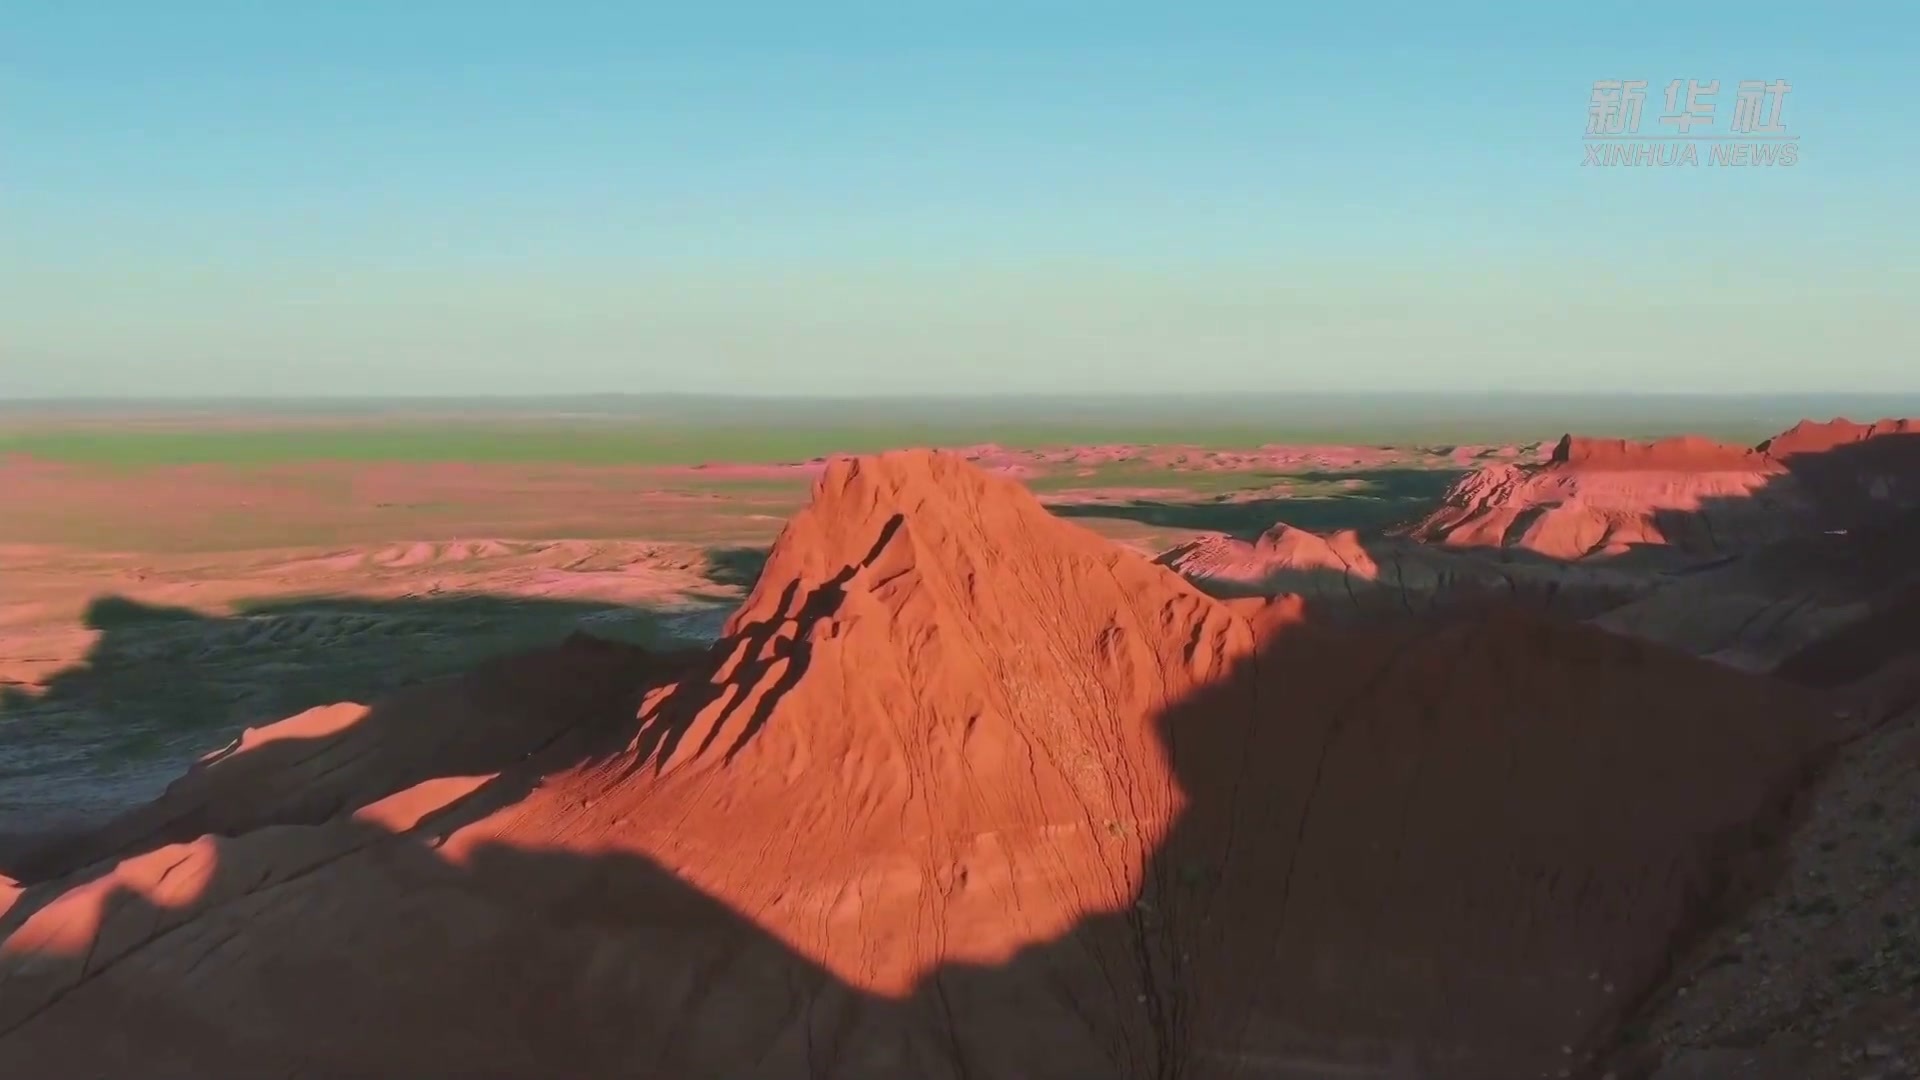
(1689, 453)
(1681, 499)
(963, 790)
(1386, 577)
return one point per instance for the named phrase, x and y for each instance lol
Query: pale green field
(615, 430)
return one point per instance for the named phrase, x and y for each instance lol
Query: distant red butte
(1808, 437)
(1811, 437)
(963, 791)
(1685, 452)
(1688, 495)
(1857, 470)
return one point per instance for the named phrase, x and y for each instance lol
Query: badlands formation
(1343, 575)
(964, 790)
(1745, 555)
(1683, 496)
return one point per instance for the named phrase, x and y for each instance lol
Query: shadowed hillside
(963, 791)
(161, 685)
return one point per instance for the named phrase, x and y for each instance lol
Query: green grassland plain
(227, 475)
(689, 430)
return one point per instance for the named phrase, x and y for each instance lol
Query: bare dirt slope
(1819, 977)
(963, 791)
(1760, 608)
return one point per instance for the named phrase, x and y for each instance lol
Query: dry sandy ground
(1817, 975)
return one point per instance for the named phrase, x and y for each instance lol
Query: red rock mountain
(1815, 437)
(964, 790)
(1685, 496)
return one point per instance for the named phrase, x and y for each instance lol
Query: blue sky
(426, 197)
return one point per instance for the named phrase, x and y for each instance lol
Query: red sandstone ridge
(1814, 437)
(1696, 452)
(1341, 576)
(964, 791)
(1686, 496)
(1858, 470)
(1689, 452)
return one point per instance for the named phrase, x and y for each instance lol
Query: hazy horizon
(101, 426)
(613, 401)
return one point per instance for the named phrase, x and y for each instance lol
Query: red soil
(963, 791)
(1683, 452)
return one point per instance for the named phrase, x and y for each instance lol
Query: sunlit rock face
(962, 790)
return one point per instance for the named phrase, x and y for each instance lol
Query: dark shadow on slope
(1839, 575)
(1349, 891)
(736, 567)
(777, 641)
(1866, 491)
(505, 712)
(1442, 849)
(1377, 499)
(160, 685)
(1750, 578)
(1890, 633)
(1856, 479)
